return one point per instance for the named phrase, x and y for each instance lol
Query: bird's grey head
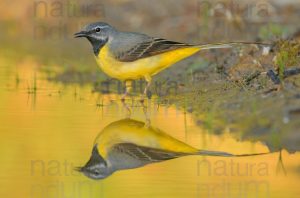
(97, 33)
(96, 167)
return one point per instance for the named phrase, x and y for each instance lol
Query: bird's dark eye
(97, 29)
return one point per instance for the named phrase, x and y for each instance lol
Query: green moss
(271, 31)
(287, 55)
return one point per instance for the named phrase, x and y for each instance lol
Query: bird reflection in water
(128, 143)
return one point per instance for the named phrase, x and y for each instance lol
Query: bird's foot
(123, 98)
(142, 99)
(128, 110)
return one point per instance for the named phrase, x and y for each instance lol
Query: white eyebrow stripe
(105, 26)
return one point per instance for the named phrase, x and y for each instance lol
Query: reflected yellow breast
(131, 131)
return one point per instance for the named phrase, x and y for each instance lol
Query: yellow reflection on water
(42, 141)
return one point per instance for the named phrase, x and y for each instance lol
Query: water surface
(48, 129)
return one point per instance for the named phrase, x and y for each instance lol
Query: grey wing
(131, 47)
(128, 155)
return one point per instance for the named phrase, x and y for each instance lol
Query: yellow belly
(132, 131)
(143, 67)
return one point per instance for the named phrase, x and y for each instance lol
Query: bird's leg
(128, 87)
(147, 116)
(148, 80)
(127, 109)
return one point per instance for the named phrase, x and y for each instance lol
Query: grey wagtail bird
(129, 56)
(128, 144)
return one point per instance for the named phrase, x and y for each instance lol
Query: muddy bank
(252, 98)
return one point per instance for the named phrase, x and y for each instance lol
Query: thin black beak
(79, 169)
(81, 34)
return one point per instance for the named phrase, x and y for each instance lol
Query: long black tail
(231, 44)
(224, 154)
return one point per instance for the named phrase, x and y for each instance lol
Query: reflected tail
(224, 154)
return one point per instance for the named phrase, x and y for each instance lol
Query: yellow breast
(143, 67)
(132, 131)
